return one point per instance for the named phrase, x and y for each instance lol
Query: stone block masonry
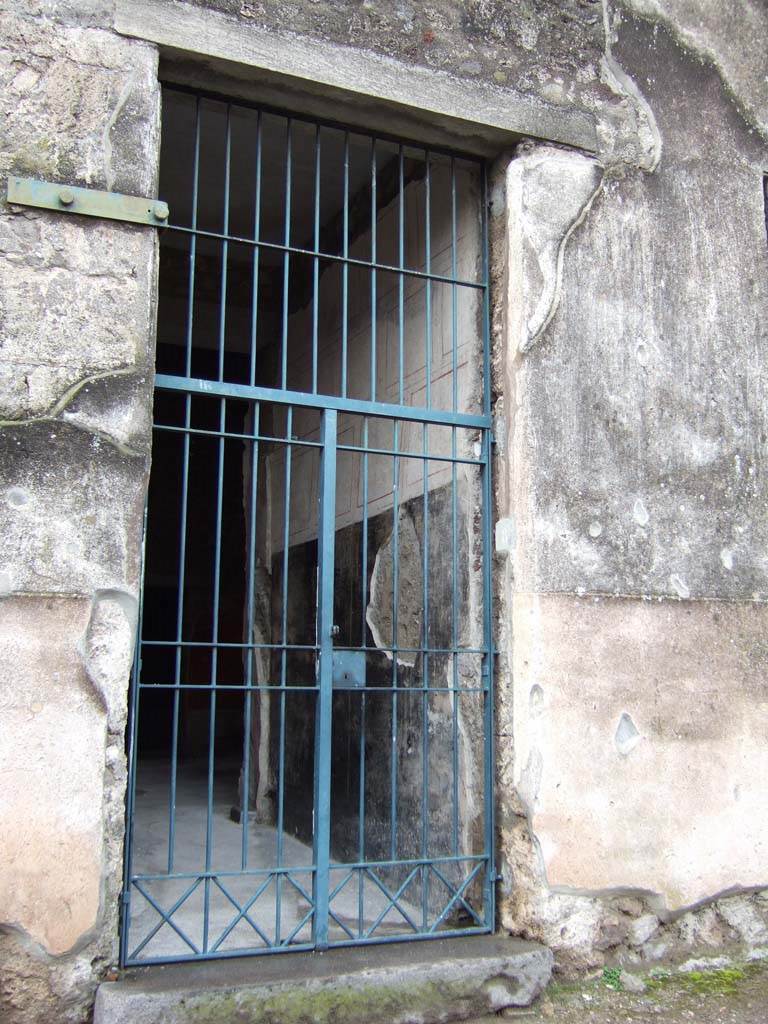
(76, 358)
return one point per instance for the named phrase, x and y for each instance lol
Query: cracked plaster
(605, 412)
(705, 29)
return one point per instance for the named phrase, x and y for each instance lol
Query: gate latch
(348, 670)
(89, 202)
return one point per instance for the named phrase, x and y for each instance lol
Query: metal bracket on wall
(89, 202)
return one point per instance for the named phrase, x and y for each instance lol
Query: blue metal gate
(310, 743)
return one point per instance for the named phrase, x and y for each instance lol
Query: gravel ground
(732, 995)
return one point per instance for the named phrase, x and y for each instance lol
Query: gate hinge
(90, 202)
(125, 898)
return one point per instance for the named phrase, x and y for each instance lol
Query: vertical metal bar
(326, 552)
(214, 671)
(487, 680)
(345, 271)
(425, 681)
(316, 263)
(193, 240)
(486, 297)
(364, 556)
(217, 551)
(488, 639)
(225, 248)
(454, 522)
(250, 652)
(401, 278)
(363, 696)
(395, 645)
(256, 253)
(425, 542)
(179, 634)
(184, 500)
(395, 503)
(454, 645)
(428, 282)
(286, 255)
(454, 292)
(374, 225)
(133, 726)
(283, 671)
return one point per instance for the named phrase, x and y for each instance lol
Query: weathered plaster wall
(79, 105)
(638, 393)
(633, 575)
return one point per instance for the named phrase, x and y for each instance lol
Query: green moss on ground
(327, 1005)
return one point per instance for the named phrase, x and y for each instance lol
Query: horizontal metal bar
(89, 202)
(418, 689)
(378, 940)
(363, 865)
(245, 687)
(381, 940)
(399, 453)
(306, 688)
(417, 650)
(295, 250)
(237, 437)
(228, 644)
(310, 647)
(380, 410)
(239, 873)
(229, 954)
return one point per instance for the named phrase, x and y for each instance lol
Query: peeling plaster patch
(530, 778)
(379, 613)
(539, 229)
(505, 536)
(679, 586)
(726, 557)
(739, 58)
(536, 699)
(640, 513)
(51, 762)
(125, 94)
(616, 78)
(626, 736)
(107, 651)
(17, 497)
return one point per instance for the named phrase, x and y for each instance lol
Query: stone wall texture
(79, 106)
(632, 569)
(630, 329)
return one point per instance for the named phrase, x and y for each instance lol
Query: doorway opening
(310, 742)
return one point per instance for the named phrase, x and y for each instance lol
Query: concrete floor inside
(280, 905)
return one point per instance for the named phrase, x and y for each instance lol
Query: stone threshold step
(430, 982)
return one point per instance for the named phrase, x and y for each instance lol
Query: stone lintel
(481, 115)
